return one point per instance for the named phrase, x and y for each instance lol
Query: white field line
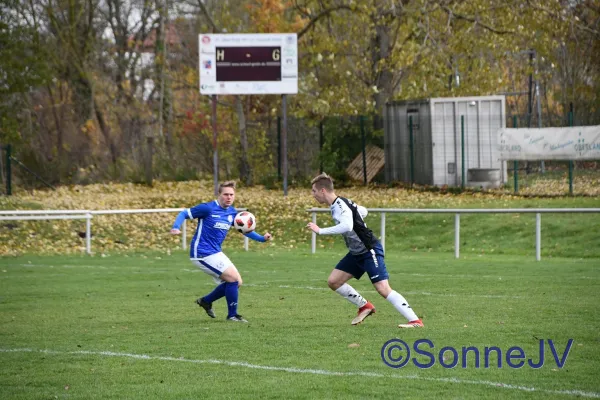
(241, 364)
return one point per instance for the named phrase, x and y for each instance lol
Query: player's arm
(342, 214)
(259, 238)
(199, 211)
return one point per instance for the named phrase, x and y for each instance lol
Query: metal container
(433, 153)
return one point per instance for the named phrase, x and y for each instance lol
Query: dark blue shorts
(370, 262)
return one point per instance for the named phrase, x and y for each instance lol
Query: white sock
(351, 295)
(401, 305)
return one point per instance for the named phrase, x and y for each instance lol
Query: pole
(462, 150)
(278, 148)
(530, 90)
(149, 156)
(364, 146)
(529, 100)
(539, 105)
(8, 171)
(284, 144)
(516, 163)
(571, 161)
(411, 143)
(163, 49)
(215, 150)
(321, 147)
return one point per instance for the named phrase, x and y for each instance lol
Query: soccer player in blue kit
(214, 220)
(365, 254)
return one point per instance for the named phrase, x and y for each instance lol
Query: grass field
(126, 327)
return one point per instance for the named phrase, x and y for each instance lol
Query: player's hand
(268, 236)
(175, 231)
(313, 227)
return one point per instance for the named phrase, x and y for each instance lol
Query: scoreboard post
(250, 63)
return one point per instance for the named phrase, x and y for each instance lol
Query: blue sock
(216, 294)
(231, 295)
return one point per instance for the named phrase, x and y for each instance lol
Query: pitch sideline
(574, 392)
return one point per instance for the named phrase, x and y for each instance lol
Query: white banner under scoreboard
(574, 143)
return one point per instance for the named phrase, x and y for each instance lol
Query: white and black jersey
(348, 217)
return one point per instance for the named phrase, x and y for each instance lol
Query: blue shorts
(370, 262)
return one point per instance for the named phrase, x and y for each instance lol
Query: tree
(22, 68)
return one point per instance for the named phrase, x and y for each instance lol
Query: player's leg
(377, 271)
(231, 274)
(220, 267)
(206, 266)
(342, 273)
(337, 281)
(233, 281)
(399, 303)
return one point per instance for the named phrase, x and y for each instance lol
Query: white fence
(21, 215)
(88, 215)
(457, 212)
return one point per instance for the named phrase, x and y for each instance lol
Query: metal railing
(22, 215)
(88, 215)
(457, 212)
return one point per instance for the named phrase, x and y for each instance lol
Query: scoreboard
(248, 63)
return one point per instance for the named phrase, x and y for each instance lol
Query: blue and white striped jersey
(213, 224)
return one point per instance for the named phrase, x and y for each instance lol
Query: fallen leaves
(284, 217)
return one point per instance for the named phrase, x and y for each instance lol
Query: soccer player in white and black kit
(214, 220)
(365, 254)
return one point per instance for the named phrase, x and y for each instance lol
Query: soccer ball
(244, 222)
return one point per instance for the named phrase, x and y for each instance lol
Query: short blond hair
(229, 184)
(323, 181)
